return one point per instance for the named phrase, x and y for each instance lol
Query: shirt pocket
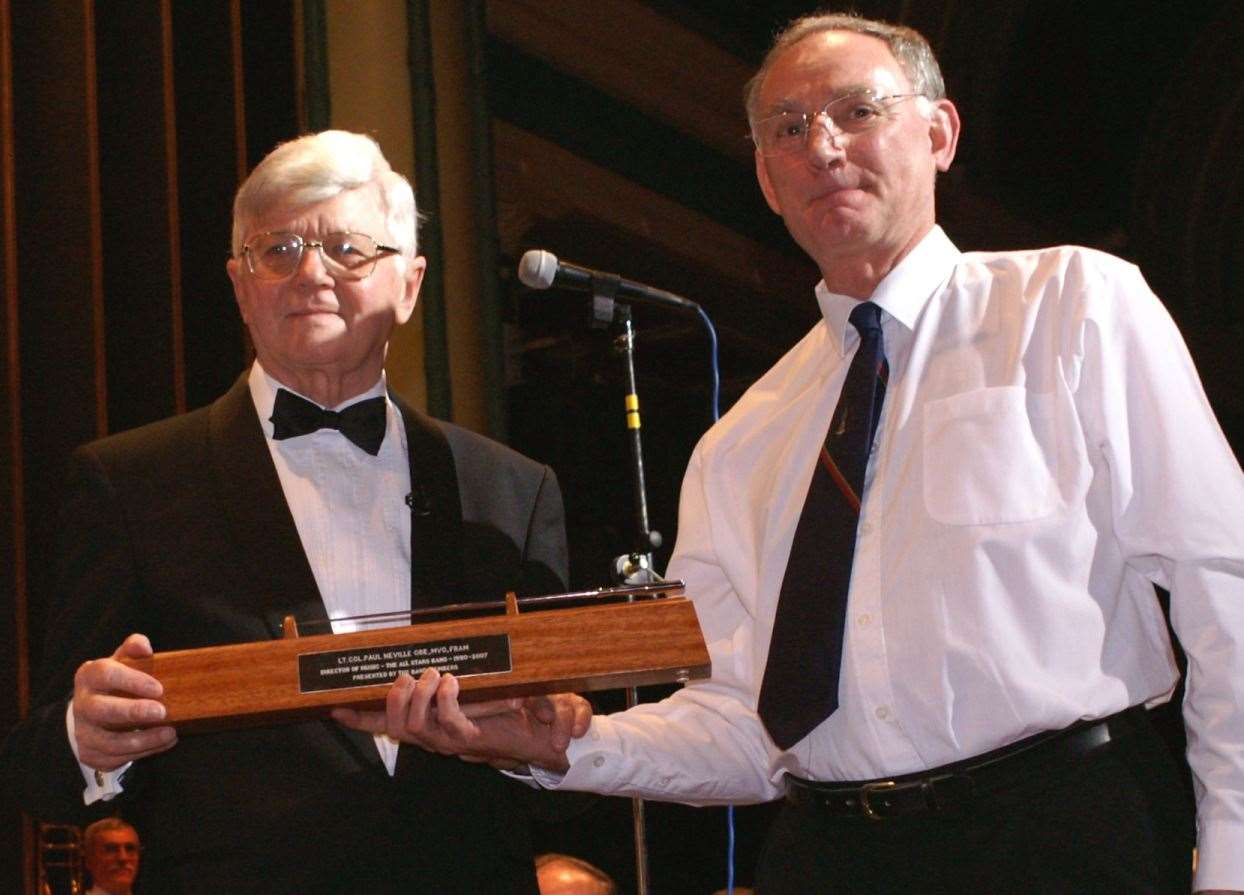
(983, 457)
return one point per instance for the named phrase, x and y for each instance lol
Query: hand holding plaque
(504, 733)
(115, 707)
(531, 647)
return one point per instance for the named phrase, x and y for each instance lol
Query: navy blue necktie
(362, 422)
(800, 687)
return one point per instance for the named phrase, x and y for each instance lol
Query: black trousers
(1119, 821)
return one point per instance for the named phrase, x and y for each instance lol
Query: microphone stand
(539, 270)
(634, 567)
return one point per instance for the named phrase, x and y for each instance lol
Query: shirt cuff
(1220, 856)
(543, 778)
(100, 785)
(524, 775)
(582, 754)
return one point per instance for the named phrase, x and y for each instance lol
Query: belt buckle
(867, 790)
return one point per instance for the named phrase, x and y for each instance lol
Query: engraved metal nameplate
(348, 668)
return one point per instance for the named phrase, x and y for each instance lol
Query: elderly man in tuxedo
(309, 489)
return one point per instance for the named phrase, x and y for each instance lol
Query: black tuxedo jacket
(180, 530)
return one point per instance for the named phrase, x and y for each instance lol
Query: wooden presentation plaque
(516, 653)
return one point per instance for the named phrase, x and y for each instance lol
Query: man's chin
(838, 233)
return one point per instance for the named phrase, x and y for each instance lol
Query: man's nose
(311, 265)
(824, 139)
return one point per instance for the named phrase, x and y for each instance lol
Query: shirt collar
(903, 292)
(264, 388)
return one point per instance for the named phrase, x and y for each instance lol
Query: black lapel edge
(260, 522)
(436, 510)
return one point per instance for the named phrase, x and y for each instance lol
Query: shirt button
(882, 712)
(864, 620)
(665, 781)
(598, 761)
(865, 528)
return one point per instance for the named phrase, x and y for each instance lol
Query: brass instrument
(60, 860)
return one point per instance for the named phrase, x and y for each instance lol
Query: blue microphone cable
(715, 406)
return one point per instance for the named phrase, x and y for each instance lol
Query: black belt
(958, 785)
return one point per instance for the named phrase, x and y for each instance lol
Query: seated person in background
(564, 875)
(110, 853)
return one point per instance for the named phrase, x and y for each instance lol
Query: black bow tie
(363, 423)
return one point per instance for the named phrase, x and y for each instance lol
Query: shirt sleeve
(89, 613)
(1177, 501)
(703, 745)
(100, 785)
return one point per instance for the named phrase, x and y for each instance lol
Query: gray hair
(913, 53)
(91, 833)
(317, 167)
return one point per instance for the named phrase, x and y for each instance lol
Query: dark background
(611, 133)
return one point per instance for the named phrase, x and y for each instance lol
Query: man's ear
(766, 186)
(943, 132)
(234, 269)
(412, 279)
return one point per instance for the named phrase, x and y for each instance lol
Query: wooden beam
(538, 180)
(628, 50)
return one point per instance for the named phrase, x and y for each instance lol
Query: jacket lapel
(435, 533)
(259, 518)
(265, 535)
(436, 512)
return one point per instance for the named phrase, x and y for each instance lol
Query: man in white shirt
(1043, 455)
(307, 490)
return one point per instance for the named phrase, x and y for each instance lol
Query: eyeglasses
(852, 113)
(348, 256)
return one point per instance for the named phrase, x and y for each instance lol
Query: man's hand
(505, 733)
(115, 708)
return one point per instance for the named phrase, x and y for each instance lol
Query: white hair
(317, 167)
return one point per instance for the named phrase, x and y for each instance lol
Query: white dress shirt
(350, 511)
(1045, 454)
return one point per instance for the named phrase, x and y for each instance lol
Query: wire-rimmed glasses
(350, 256)
(851, 113)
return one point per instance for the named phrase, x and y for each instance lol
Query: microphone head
(537, 268)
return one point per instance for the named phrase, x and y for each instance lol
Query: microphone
(539, 269)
